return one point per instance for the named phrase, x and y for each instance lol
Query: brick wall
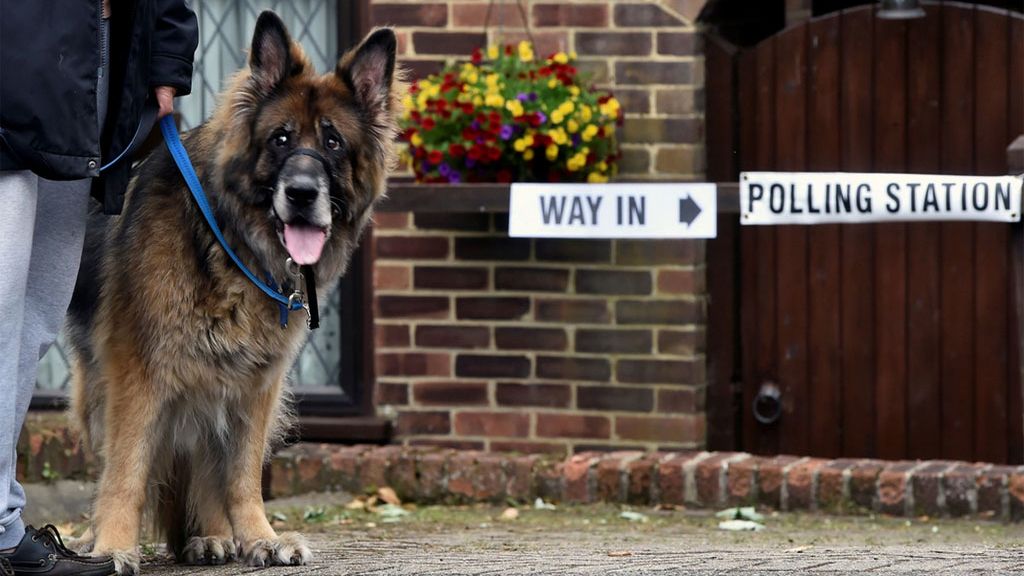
(648, 53)
(495, 343)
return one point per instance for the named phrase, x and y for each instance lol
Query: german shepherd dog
(179, 361)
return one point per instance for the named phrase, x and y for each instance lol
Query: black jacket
(49, 62)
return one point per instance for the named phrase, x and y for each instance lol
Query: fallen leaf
(389, 496)
(391, 511)
(633, 516)
(620, 553)
(357, 504)
(540, 504)
(740, 526)
(744, 513)
(510, 514)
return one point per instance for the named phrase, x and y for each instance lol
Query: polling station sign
(843, 197)
(618, 210)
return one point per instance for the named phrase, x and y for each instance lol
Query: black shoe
(42, 552)
(5, 568)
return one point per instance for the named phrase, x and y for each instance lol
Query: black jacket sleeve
(175, 38)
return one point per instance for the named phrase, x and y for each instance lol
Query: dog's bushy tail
(172, 517)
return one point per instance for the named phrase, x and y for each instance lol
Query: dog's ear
(369, 69)
(270, 58)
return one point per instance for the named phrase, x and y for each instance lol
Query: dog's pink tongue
(304, 243)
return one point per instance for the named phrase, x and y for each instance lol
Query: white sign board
(613, 210)
(831, 197)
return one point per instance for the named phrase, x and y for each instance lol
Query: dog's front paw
(288, 549)
(212, 550)
(84, 543)
(126, 562)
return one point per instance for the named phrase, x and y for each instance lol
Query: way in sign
(586, 210)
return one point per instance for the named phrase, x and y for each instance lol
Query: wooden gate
(889, 340)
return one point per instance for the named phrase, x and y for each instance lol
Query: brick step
(695, 479)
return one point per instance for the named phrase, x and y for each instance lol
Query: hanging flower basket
(506, 116)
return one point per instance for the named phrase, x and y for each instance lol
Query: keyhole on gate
(768, 403)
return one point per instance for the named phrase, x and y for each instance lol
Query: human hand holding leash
(165, 98)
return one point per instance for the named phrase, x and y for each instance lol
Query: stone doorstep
(698, 479)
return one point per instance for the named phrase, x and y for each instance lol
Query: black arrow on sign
(688, 210)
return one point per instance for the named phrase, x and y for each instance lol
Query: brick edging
(700, 479)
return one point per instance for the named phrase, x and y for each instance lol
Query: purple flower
(444, 169)
(454, 177)
(533, 96)
(475, 125)
(506, 131)
(523, 96)
(470, 162)
(576, 139)
(543, 116)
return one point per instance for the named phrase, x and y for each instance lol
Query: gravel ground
(593, 540)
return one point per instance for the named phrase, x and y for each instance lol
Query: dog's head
(303, 157)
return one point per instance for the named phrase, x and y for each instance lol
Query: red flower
(508, 49)
(478, 56)
(493, 153)
(419, 153)
(435, 157)
(428, 123)
(467, 108)
(456, 150)
(475, 152)
(468, 134)
(494, 118)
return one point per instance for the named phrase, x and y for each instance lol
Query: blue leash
(177, 150)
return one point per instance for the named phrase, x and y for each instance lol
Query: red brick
(681, 342)
(637, 101)
(614, 399)
(771, 475)
(344, 467)
(681, 429)
(991, 485)
(491, 308)
(577, 474)
(448, 444)
(391, 335)
(450, 278)
(531, 279)
(450, 393)
(925, 486)
(447, 42)
(800, 484)
(413, 364)
(644, 15)
(374, 469)
(1016, 490)
(832, 481)
(642, 479)
(552, 448)
(892, 488)
(520, 477)
(431, 336)
(864, 483)
(432, 469)
(411, 247)
(419, 14)
(573, 311)
(475, 15)
(613, 282)
(456, 221)
(559, 250)
(658, 252)
(679, 100)
(635, 160)
(389, 393)
(418, 68)
(403, 474)
(672, 478)
(612, 478)
(510, 338)
(540, 395)
(644, 73)
(573, 368)
(710, 476)
(572, 426)
(391, 277)
(490, 479)
(679, 401)
(492, 248)
(657, 312)
(680, 282)
(461, 475)
(423, 423)
(571, 15)
(741, 481)
(412, 306)
(548, 480)
(492, 424)
(613, 341)
(488, 366)
(677, 43)
(660, 371)
(390, 220)
(960, 488)
(613, 43)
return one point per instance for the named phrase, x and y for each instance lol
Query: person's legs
(19, 191)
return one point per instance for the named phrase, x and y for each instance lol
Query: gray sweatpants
(42, 228)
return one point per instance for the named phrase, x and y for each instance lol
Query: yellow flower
(519, 145)
(515, 107)
(574, 90)
(551, 152)
(609, 129)
(552, 83)
(559, 136)
(557, 116)
(589, 132)
(478, 100)
(525, 51)
(528, 154)
(586, 113)
(567, 107)
(602, 166)
(576, 162)
(496, 100)
(573, 126)
(572, 55)
(561, 58)
(492, 52)
(416, 139)
(472, 78)
(596, 178)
